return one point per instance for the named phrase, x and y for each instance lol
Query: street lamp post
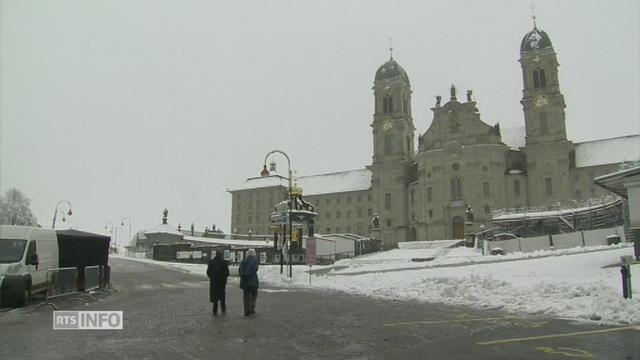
(284, 241)
(55, 212)
(480, 242)
(113, 230)
(64, 218)
(122, 224)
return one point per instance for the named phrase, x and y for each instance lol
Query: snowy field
(578, 283)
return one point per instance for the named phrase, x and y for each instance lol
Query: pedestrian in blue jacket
(248, 271)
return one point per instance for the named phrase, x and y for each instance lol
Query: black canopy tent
(80, 249)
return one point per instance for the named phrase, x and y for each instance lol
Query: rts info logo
(87, 320)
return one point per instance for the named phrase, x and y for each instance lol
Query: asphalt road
(167, 316)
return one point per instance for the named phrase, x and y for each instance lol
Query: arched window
(387, 104)
(539, 79)
(456, 188)
(544, 126)
(388, 143)
(405, 106)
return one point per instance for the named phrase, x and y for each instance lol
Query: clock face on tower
(387, 125)
(540, 101)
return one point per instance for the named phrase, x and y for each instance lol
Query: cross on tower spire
(533, 15)
(391, 47)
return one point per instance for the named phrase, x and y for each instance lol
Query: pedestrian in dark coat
(248, 271)
(218, 272)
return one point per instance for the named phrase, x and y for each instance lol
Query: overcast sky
(124, 108)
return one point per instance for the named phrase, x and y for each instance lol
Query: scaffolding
(599, 213)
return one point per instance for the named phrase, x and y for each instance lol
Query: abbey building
(421, 193)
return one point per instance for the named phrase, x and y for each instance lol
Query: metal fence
(92, 277)
(72, 280)
(1, 280)
(62, 281)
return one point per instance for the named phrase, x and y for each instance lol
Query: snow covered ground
(575, 283)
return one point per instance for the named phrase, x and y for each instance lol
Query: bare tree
(14, 209)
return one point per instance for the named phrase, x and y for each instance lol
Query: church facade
(460, 161)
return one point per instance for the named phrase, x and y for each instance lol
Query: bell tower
(542, 101)
(547, 150)
(392, 122)
(393, 150)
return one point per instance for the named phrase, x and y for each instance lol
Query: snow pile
(430, 244)
(573, 283)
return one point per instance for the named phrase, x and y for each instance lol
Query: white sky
(127, 107)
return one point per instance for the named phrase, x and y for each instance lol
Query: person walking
(218, 272)
(248, 271)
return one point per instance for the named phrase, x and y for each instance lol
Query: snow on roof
(608, 151)
(247, 243)
(513, 137)
(344, 181)
(163, 229)
(263, 182)
(634, 170)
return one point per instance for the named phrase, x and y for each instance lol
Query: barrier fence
(72, 280)
(557, 241)
(92, 277)
(61, 281)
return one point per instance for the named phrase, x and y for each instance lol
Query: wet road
(167, 316)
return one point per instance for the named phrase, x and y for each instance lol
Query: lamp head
(264, 171)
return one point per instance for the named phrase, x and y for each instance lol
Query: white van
(26, 253)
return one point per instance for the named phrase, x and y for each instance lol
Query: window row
(347, 213)
(457, 194)
(387, 104)
(348, 199)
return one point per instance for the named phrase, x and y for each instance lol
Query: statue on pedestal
(375, 221)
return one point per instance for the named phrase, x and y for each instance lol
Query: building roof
(262, 182)
(232, 242)
(343, 181)
(391, 70)
(588, 153)
(615, 181)
(535, 39)
(608, 151)
(163, 229)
